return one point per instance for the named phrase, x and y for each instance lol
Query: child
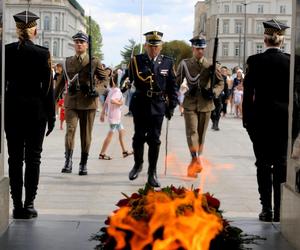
(238, 99)
(61, 112)
(112, 107)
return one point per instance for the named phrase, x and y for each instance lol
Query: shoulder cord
(191, 80)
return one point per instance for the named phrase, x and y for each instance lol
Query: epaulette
(12, 45)
(167, 57)
(41, 47)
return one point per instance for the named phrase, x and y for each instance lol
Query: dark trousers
(271, 168)
(24, 143)
(146, 129)
(216, 113)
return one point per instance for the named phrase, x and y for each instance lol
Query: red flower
(122, 203)
(212, 202)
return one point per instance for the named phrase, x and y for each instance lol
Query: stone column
(290, 203)
(4, 187)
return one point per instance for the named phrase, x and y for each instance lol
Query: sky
(120, 20)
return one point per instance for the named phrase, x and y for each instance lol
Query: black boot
(82, 164)
(152, 158)
(213, 124)
(216, 127)
(279, 177)
(68, 163)
(18, 211)
(138, 162)
(16, 194)
(264, 181)
(266, 214)
(15, 171)
(32, 173)
(29, 210)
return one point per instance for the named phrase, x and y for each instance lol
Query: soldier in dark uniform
(265, 116)
(80, 100)
(29, 108)
(154, 98)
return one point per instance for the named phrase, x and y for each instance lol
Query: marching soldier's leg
(15, 171)
(153, 141)
(138, 142)
(153, 154)
(71, 124)
(33, 150)
(203, 120)
(192, 136)
(86, 121)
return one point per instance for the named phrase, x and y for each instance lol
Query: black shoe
(152, 181)
(18, 213)
(30, 212)
(134, 172)
(265, 215)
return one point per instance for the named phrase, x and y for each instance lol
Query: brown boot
(193, 168)
(198, 165)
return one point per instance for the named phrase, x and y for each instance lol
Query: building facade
(236, 17)
(59, 21)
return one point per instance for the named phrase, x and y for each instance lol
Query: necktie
(152, 64)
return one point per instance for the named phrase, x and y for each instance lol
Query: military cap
(198, 42)
(80, 36)
(154, 38)
(273, 26)
(25, 19)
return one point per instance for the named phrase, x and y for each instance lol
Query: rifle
(213, 68)
(92, 91)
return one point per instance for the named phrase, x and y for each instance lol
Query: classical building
(59, 20)
(236, 17)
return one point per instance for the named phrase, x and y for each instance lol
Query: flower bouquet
(169, 219)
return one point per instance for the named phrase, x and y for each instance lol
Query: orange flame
(185, 221)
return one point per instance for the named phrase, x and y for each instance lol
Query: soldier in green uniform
(197, 108)
(29, 109)
(80, 100)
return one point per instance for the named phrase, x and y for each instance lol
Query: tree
(128, 49)
(178, 50)
(175, 49)
(96, 37)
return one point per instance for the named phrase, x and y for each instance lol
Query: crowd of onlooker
(232, 101)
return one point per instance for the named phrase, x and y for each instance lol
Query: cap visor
(199, 47)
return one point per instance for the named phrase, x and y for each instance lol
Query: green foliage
(96, 37)
(178, 50)
(131, 49)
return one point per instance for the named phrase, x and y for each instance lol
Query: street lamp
(245, 31)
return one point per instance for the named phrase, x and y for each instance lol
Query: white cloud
(120, 21)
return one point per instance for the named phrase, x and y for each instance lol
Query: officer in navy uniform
(265, 116)
(154, 98)
(29, 109)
